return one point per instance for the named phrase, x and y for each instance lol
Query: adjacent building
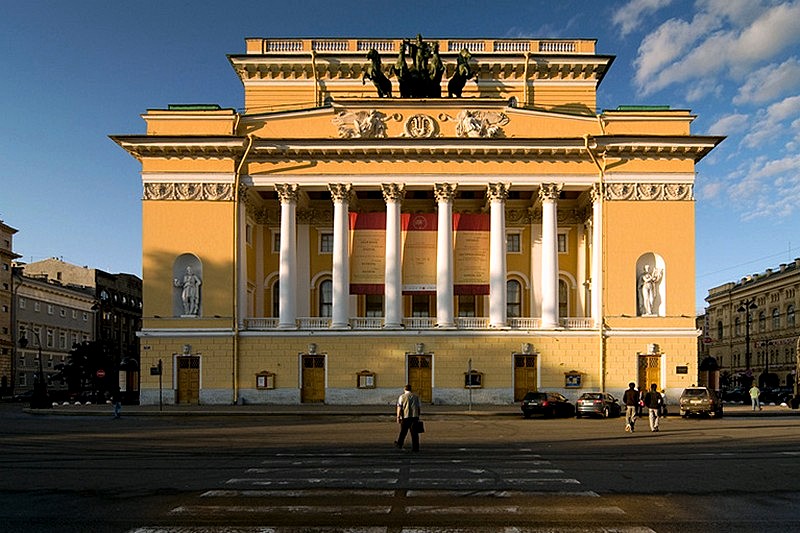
(7, 257)
(51, 317)
(751, 329)
(467, 222)
(116, 310)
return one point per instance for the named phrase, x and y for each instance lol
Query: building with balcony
(471, 225)
(751, 329)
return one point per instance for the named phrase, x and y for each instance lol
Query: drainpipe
(590, 148)
(235, 314)
(316, 77)
(525, 90)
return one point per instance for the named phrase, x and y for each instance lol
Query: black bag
(419, 427)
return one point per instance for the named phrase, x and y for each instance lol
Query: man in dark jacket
(631, 401)
(653, 402)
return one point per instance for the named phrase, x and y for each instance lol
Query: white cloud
(770, 124)
(730, 124)
(629, 16)
(770, 82)
(715, 41)
(711, 191)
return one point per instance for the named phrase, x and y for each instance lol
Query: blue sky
(76, 72)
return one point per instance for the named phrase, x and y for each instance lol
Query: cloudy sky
(76, 72)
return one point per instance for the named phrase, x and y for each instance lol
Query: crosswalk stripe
(513, 509)
(298, 493)
(517, 493)
(338, 510)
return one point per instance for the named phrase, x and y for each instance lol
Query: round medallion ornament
(421, 126)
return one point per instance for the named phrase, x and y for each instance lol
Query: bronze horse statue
(374, 71)
(461, 75)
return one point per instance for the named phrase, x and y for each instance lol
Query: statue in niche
(648, 288)
(190, 293)
(374, 71)
(461, 75)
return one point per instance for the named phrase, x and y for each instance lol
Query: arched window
(513, 299)
(719, 330)
(276, 299)
(326, 298)
(790, 316)
(776, 319)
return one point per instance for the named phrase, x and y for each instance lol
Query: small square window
(326, 243)
(562, 243)
(365, 379)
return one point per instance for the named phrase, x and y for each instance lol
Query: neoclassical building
(451, 213)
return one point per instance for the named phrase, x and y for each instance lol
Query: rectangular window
(276, 242)
(513, 243)
(62, 340)
(50, 309)
(74, 314)
(62, 313)
(466, 305)
(326, 243)
(37, 306)
(248, 234)
(51, 338)
(562, 243)
(420, 305)
(22, 303)
(374, 305)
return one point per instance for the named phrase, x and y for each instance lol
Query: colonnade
(444, 193)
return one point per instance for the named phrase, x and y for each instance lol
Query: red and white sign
(101, 373)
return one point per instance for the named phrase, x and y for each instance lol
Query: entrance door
(650, 371)
(313, 389)
(420, 376)
(188, 380)
(524, 375)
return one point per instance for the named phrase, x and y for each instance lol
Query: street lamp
(39, 400)
(745, 307)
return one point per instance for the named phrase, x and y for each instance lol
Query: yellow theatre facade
(360, 226)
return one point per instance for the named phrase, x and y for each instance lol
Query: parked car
(736, 395)
(597, 403)
(777, 395)
(547, 404)
(700, 401)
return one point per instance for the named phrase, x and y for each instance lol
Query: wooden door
(649, 371)
(188, 380)
(420, 376)
(313, 388)
(524, 375)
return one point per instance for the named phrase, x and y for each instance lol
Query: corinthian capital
(444, 192)
(393, 192)
(498, 192)
(340, 192)
(287, 192)
(549, 191)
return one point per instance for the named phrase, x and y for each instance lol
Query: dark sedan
(547, 404)
(597, 404)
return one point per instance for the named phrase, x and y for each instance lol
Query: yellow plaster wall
(669, 233)
(187, 165)
(171, 228)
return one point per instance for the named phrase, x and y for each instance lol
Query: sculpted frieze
(189, 191)
(649, 191)
(361, 124)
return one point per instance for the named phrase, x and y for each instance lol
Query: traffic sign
(101, 373)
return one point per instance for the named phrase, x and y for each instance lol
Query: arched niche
(187, 279)
(651, 285)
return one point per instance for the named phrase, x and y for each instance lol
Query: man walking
(754, 393)
(631, 401)
(653, 401)
(408, 410)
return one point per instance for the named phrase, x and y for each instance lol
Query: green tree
(79, 371)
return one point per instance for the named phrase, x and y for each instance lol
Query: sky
(76, 72)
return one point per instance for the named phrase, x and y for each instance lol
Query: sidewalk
(511, 410)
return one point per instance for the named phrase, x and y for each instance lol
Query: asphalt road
(290, 473)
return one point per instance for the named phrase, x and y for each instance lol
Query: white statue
(190, 295)
(648, 286)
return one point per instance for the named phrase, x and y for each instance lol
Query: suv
(700, 401)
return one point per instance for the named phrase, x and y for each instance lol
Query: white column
(288, 256)
(444, 193)
(340, 193)
(597, 255)
(548, 194)
(260, 245)
(581, 274)
(303, 273)
(393, 194)
(498, 193)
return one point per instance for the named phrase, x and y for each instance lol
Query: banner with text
(419, 252)
(367, 253)
(471, 253)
